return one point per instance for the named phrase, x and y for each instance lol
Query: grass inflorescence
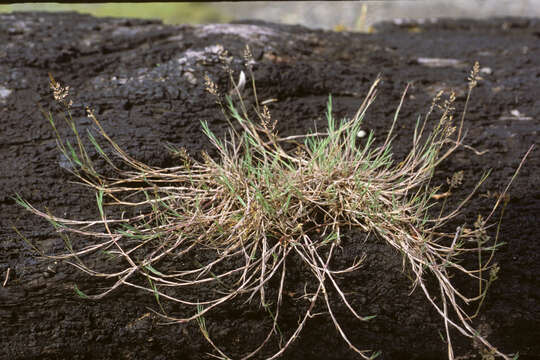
(257, 204)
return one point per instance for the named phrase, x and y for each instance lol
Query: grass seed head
(60, 93)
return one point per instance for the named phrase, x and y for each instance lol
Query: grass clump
(256, 204)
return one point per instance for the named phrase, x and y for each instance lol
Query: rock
(145, 81)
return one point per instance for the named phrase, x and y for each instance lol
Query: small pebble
(190, 78)
(486, 70)
(4, 92)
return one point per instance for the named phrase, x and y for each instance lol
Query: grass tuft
(256, 205)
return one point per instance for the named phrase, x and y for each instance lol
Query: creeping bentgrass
(255, 204)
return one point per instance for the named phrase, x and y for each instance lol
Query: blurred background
(337, 15)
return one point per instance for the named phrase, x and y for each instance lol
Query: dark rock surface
(145, 82)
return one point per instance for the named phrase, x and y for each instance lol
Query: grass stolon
(258, 204)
